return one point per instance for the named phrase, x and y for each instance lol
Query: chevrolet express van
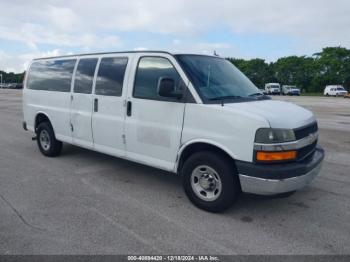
(194, 115)
(334, 90)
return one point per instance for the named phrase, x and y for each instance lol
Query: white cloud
(311, 20)
(20, 62)
(63, 18)
(88, 25)
(27, 57)
(140, 48)
(5, 62)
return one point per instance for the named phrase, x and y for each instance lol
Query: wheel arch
(41, 117)
(191, 147)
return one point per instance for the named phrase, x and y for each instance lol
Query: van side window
(84, 75)
(149, 71)
(51, 75)
(110, 76)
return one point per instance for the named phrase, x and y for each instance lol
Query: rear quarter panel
(55, 105)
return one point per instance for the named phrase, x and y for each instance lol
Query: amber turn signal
(276, 156)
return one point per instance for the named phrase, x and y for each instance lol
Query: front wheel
(210, 181)
(47, 143)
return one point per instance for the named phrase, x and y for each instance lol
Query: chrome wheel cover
(206, 183)
(44, 139)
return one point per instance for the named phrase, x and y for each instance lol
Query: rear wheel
(47, 142)
(210, 181)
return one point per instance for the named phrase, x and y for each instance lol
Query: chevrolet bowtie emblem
(311, 138)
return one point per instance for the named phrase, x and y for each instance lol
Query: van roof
(123, 52)
(329, 86)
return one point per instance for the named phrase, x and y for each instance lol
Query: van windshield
(217, 79)
(340, 89)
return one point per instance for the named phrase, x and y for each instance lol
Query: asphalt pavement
(85, 202)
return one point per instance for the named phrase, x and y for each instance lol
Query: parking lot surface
(85, 202)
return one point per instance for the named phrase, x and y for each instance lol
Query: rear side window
(51, 75)
(149, 71)
(110, 76)
(84, 75)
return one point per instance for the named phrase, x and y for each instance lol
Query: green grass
(312, 94)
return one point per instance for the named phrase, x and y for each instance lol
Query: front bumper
(262, 184)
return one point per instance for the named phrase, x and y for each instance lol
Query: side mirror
(166, 88)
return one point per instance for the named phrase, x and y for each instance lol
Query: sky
(267, 29)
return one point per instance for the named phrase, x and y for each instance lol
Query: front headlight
(271, 136)
(274, 135)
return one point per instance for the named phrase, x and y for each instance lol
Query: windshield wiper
(257, 94)
(260, 96)
(224, 97)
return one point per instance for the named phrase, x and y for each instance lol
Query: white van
(334, 90)
(193, 115)
(273, 88)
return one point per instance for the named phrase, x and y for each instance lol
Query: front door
(108, 106)
(81, 102)
(153, 124)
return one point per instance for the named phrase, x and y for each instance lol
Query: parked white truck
(290, 90)
(273, 88)
(194, 115)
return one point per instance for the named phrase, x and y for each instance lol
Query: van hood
(279, 114)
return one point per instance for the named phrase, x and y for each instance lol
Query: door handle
(95, 105)
(128, 108)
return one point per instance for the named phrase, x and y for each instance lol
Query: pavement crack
(19, 215)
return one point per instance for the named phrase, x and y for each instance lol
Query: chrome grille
(306, 151)
(305, 131)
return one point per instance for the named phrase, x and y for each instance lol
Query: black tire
(224, 168)
(327, 94)
(53, 147)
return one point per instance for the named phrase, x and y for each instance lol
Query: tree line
(312, 74)
(11, 77)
